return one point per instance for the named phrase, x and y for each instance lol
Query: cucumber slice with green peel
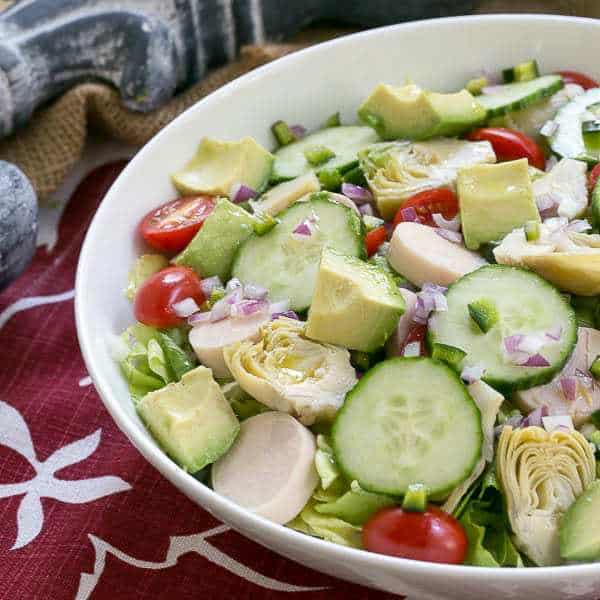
(569, 137)
(344, 142)
(526, 304)
(532, 231)
(287, 263)
(408, 420)
(484, 314)
(595, 206)
(522, 72)
(590, 131)
(514, 96)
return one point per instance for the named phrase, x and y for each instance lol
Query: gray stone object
(18, 222)
(149, 49)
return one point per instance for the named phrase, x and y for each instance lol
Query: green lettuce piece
(173, 346)
(157, 361)
(243, 404)
(483, 517)
(144, 266)
(325, 463)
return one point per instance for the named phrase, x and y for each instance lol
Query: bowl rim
(170, 470)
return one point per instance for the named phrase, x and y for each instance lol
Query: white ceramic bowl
(304, 88)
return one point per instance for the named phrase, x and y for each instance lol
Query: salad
(386, 334)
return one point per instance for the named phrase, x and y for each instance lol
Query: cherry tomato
(594, 175)
(429, 202)
(433, 535)
(510, 144)
(171, 227)
(153, 303)
(579, 78)
(374, 239)
(416, 334)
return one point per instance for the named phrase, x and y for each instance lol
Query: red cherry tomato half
(153, 303)
(416, 334)
(429, 202)
(579, 78)
(510, 144)
(433, 535)
(374, 239)
(594, 175)
(171, 227)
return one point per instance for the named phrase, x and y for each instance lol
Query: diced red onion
(433, 288)
(185, 308)
(247, 308)
(555, 333)
(534, 418)
(472, 373)
(298, 130)
(209, 284)
(357, 193)
(234, 297)
(550, 163)
(255, 292)
(430, 298)
(450, 224)
(532, 343)
(409, 214)
(556, 224)
(537, 360)
(548, 128)
(233, 284)
(366, 209)
(568, 385)
(512, 343)
(279, 307)
(290, 314)
(452, 236)
(412, 349)
(560, 422)
(220, 310)
(389, 229)
(546, 204)
(578, 226)
(200, 317)
(303, 228)
(240, 192)
(584, 378)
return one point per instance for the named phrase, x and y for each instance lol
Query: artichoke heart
(397, 170)
(541, 475)
(287, 372)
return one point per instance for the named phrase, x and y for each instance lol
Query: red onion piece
(303, 228)
(357, 193)
(289, 314)
(534, 418)
(472, 373)
(555, 333)
(366, 209)
(298, 130)
(578, 226)
(247, 308)
(585, 379)
(200, 317)
(430, 298)
(234, 297)
(185, 308)
(537, 360)
(562, 423)
(450, 224)
(209, 284)
(512, 342)
(568, 385)
(220, 310)
(240, 192)
(233, 284)
(409, 214)
(546, 204)
(452, 236)
(255, 292)
(279, 307)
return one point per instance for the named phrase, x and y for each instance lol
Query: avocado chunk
(413, 113)
(580, 527)
(356, 304)
(282, 196)
(191, 419)
(494, 200)
(217, 165)
(212, 249)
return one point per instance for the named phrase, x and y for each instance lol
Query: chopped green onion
(525, 71)
(282, 132)
(590, 130)
(475, 86)
(265, 222)
(595, 368)
(450, 355)
(415, 499)
(332, 120)
(484, 313)
(360, 360)
(372, 222)
(330, 179)
(596, 418)
(595, 439)
(532, 231)
(355, 176)
(317, 155)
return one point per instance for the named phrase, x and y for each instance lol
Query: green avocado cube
(212, 249)
(218, 165)
(410, 112)
(494, 200)
(355, 304)
(191, 419)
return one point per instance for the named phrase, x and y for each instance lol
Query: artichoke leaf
(541, 475)
(288, 372)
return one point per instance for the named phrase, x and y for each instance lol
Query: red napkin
(83, 514)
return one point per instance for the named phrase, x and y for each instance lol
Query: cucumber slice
(514, 96)
(595, 206)
(344, 142)
(286, 263)
(568, 138)
(525, 303)
(408, 420)
(522, 72)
